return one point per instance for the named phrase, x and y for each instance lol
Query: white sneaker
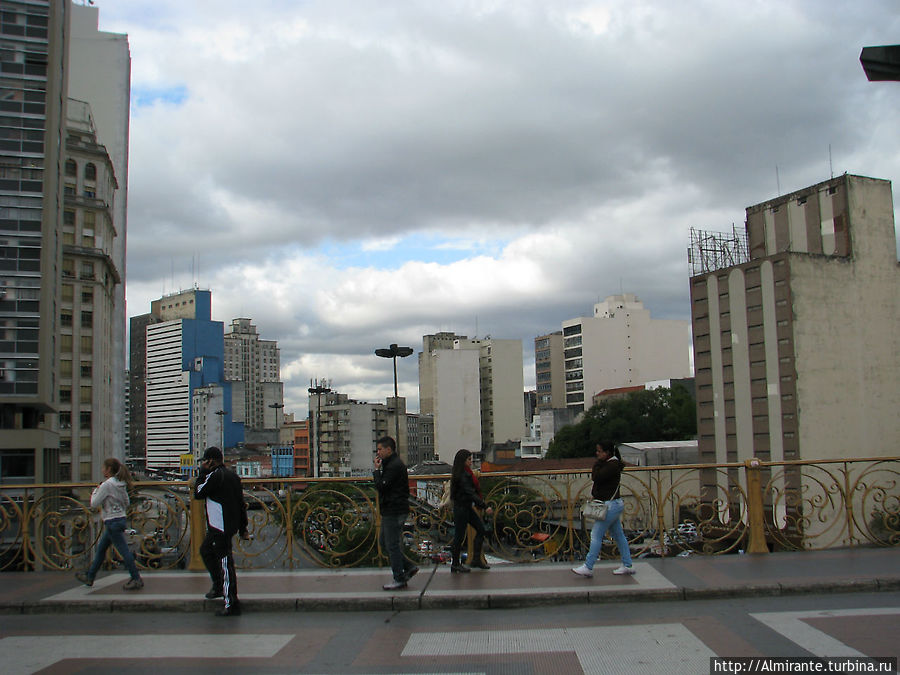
(583, 571)
(623, 570)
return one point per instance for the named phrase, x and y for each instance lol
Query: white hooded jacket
(111, 496)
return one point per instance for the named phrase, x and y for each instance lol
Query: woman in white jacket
(111, 497)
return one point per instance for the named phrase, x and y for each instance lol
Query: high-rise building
(100, 74)
(33, 94)
(474, 388)
(797, 328)
(254, 363)
(549, 371)
(185, 354)
(88, 390)
(621, 346)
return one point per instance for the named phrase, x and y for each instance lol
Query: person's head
(385, 447)
(461, 460)
(212, 457)
(113, 468)
(606, 449)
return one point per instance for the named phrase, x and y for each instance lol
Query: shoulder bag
(595, 509)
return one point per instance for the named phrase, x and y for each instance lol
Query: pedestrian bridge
(699, 509)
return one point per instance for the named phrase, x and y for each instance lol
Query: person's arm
(467, 486)
(100, 493)
(207, 482)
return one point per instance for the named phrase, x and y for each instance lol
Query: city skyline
(350, 176)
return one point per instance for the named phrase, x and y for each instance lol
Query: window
(65, 319)
(65, 395)
(86, 369)
(87, 238)
(87, 297)
(65, 420)
(65, 343)
(68, 239)
(87, 344)
(87, 270)
(68, 217)
(65, 368)
(90, 171)
(68, 268)
(85, 395)
(85, 420)
(71, 167)
(87, 319)
(69, 190)
(90, 193)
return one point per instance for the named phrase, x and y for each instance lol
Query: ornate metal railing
(669, 510)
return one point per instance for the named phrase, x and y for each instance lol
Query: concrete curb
(422, 601)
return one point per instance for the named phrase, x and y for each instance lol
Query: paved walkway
(504, 586)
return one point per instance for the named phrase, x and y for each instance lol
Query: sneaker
(234, 610)
(84, 578)
(459, 569)
(411, 572)
(394, 586)
(214, 593)
(583, 571)
(133, 585)
(624, 569)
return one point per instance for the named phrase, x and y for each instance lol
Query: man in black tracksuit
(226, 515)
(392, 483)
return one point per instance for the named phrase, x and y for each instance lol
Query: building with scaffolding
(796, 327)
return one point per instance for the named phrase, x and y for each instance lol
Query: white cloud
(352, 174)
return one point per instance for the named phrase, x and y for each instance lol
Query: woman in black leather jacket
(465, 493)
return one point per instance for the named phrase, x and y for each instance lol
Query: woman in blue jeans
(111, 497)
(606, 474)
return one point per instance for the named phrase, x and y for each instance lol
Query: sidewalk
(505, 585)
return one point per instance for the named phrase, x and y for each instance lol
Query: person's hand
(246, 536)
(489, 511)
(377, 462)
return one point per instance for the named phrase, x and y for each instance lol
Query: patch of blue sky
(144, 97)
(395, 252)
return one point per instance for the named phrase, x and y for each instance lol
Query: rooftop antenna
(830, 165)
(777, 180)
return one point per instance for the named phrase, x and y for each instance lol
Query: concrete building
(34, 66)
(797, 337)
(420, 438)
(100, 74)
(659, 453)
(347, 432)
(549, 371)
(474, 388)
(620, 346)
(89, 394)
(254, 363)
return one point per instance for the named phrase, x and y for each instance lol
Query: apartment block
(255, 364)
(33, 95)
(797, 327)
(89, 393)
(621, 345)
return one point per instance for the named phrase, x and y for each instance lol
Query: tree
(649, 415)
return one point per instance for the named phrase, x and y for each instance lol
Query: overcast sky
(350, 174)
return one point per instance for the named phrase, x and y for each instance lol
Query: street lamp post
(221, 414)
(318, 390)
(392, 353)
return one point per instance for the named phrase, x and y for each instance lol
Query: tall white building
(620, 346)
(100, 74)
(253, 365)
(474, 388)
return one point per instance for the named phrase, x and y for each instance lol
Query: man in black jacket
(392, 483)
(226, 515)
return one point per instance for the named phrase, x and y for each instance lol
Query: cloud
(353, 174)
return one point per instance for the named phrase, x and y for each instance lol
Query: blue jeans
(113, 533)
(390, 536)
(612, 523)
